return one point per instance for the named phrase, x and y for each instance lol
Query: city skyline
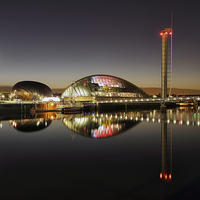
(57, 42)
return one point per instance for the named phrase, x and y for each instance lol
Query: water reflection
(105, 125)
(31, 125)
(100, 125)
(166, 149)
(110, 124)
(38, 122)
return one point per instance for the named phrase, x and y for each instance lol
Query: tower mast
(171, 53)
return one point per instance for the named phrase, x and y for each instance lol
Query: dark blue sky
(56, 42)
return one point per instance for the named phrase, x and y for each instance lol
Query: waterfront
(101, 155)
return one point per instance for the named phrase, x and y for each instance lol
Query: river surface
(122, 155)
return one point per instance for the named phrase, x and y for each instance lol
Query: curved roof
(102, 83)
(32, 88)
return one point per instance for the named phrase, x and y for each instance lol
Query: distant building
(102, 87)
(30, 90)
(4, 95)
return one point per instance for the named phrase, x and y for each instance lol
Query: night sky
(57, 42)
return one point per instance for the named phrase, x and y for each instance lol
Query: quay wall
(26, 107)
(15, 107)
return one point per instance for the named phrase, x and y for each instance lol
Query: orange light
(160, 175)
(170, 176)
(165, 176)
(166, 32)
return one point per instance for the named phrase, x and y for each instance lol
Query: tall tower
(166, 63)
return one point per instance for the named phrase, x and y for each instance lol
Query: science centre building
(102, 88)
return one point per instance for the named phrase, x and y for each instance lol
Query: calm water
(132, 155)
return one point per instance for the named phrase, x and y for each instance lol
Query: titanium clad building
(102, 87)
(30, 90)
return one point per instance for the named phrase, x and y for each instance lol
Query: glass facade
(103, 86)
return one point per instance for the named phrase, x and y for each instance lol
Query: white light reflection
(38, 123)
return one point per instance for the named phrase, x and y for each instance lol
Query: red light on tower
(166, 32)
(160, 175)
(161, 33)
(170, 176)
(165, 176)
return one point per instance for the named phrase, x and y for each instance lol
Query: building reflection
(38, 122)
(100, 125)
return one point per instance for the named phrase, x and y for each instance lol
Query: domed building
(102, 87)
(30, 90)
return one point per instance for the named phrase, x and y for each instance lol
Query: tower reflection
(166, 149)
